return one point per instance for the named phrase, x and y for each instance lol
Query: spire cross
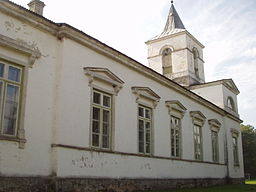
(172, 1)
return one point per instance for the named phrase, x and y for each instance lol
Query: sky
(227, 29)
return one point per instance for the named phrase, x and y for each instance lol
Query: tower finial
(172, 1)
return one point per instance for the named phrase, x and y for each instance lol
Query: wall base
(51, 184)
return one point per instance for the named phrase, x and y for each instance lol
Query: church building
(78, 115)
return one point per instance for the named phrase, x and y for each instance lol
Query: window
(235, 150)
(235, 134)
(15, 60)
(198, 142)
(144, 129)
(176, 111)
(167, 61)
(10, 88)
(175, 137)
(214, 125)
(196, 57)
(198, 120)
(147, 100)
(101, 120)
(231, 104)
(215, 146)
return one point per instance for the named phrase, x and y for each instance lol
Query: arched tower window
(167, 61)
(196, 57)
(231, 104)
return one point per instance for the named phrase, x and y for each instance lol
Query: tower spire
(173, 21)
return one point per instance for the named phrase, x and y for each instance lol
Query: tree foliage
(249, 149)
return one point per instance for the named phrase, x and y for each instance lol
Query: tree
(249, 149)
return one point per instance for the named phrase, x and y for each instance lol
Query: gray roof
(173, 24)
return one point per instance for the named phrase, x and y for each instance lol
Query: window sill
(14, 139)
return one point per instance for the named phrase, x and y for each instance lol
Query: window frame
(167, 52)
(172, 137)
(215, 146)
(198, 145)
(5, 82)
(214, 126)
(198, 119)
(13, 57)
(145, 121)
(176, 110)
(102, 108)
(196, 64)
(235, 147)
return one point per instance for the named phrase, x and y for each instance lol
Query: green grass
(251, 182)
(225, 188)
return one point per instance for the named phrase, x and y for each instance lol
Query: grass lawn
(226, 188)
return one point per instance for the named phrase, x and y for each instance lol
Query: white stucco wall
(35, 158)
(213, 94)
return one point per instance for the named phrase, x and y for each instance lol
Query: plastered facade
(57, 110)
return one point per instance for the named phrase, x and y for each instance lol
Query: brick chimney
(36, 6)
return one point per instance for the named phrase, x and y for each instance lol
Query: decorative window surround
(105, 75)
(214, 125)
(19, 47)
(175, 108)
(145, 93)
(104, 85)
(234, 132)
(198, 118)
(176, 111)
(15, 48)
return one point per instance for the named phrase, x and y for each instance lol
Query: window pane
(141, 147)
(95, 127)
(106, 101)
(96, 98)
(106, 116)
(147, 114)
(95, 140)
(141, 112)
(105, 143)
(105, 128)
(1, 70)
(10, 111)
(14, 74)
(147, 147)
(96, 113)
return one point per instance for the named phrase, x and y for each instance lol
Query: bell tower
(177, 54)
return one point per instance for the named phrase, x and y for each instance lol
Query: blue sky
(227, 28)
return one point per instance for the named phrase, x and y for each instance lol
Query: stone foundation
(51, 184)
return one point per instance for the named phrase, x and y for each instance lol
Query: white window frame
(5, 82)
(147, 120)
(102, 108)
(175, 137)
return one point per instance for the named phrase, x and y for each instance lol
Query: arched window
(167, 61)
(195, 57)
(231, 104)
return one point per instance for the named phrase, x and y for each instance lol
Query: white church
(78, 115)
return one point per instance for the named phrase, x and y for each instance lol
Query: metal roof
(173, 24)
